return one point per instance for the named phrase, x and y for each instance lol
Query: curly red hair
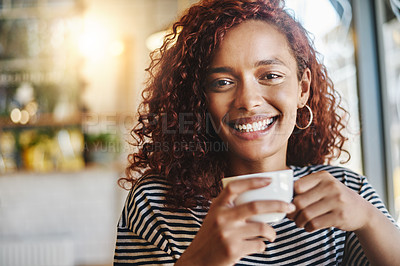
(187, 152)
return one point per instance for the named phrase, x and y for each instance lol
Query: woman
(237, 89)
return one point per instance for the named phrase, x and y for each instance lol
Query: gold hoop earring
(309, 122)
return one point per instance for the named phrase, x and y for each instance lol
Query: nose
(248, 95)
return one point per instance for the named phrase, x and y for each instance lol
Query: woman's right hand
(226, 234)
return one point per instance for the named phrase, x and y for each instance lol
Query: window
(389, 30)
(333, 39)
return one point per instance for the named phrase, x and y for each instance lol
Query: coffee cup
(280, 188)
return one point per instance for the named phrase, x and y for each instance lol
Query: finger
(321, 222)
(313, 211)
(236, 187)
(309, 197)
(254, 246)
(255, 230)
(246, 210)
(308, 182)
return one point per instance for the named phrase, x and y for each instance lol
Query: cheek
(216, 108)
(213, 114)
(286, 102)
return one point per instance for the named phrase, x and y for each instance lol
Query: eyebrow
(274, 61)
(220, 70)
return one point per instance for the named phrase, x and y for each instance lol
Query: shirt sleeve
(354, 254)
(138, 240)
(131, 249)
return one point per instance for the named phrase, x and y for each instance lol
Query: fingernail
(291, 207)
(265, 181)
(269, 239)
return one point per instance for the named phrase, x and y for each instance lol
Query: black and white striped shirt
(149, 234)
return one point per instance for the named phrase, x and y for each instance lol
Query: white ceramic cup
(281, 188)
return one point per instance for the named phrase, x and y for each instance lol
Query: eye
(271, 76)
(221, 84)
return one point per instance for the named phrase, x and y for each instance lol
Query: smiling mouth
(254, 126)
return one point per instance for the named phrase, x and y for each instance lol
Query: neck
(238, 166)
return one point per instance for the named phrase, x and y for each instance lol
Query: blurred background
(71, 73)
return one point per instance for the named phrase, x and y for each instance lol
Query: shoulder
(147, 215)
(151, 183)
(147, 194)
(153, 188)
(146, 205)
(144, 235)
(336, 171)
(348, 177)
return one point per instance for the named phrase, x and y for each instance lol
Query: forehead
(253, 40)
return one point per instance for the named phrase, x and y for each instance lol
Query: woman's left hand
(322, 201)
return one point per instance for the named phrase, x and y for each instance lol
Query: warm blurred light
(20, 116)
(316, 22)
(32, 108)
(93, 41)
(24, 117)
(117, 48)
(96, 42)
(24, 93)
(64, 141)
(91, 45)
(15, 115)
(155, 40)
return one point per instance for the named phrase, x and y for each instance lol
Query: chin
(251, 156)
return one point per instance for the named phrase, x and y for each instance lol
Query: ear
(304, 88)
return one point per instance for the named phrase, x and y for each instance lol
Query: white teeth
(255, 126)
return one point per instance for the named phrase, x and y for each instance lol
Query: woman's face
(253, 94)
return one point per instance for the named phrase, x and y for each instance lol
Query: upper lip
(249, 120)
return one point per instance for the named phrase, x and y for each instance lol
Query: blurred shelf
(45, 120)
(95, 170)
(35, 65)
(40, 63)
